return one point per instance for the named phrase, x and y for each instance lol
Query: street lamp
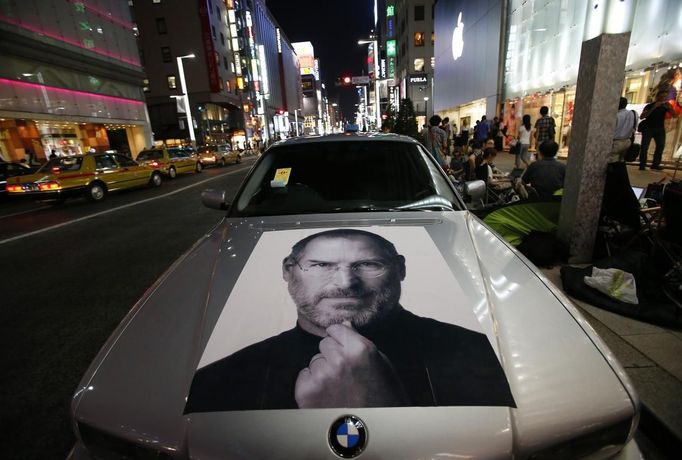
(183, 86)
(426, 112)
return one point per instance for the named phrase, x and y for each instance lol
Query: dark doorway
(118, 140)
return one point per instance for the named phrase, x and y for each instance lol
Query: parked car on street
(218, 155)
(170, 161)
(11, 169)
(348, 302)
(91, 175)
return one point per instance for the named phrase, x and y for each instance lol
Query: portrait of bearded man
(354, 344)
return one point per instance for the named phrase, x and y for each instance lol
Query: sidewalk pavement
(651, 355)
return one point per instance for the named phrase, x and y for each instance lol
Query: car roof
(348, 137)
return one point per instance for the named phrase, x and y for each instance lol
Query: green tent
(516, 221)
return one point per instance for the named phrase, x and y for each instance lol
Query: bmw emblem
(348, 436)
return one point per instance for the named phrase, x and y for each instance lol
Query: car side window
(124, 161)
(173, 154)
(105, 162)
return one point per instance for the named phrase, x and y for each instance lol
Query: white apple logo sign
(458, 38)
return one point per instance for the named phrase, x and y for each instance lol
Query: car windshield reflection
(344, 176)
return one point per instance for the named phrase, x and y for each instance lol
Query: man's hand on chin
(349, 371)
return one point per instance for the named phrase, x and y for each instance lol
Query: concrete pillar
(599, 86)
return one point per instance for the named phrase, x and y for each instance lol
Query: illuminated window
(166, 54)
(419, 13)
(228, 87)
(419, 65)
(161, 26)
(433, 62)
(156, 1)
(171, 82)
(419, 39)
(145, 85)
(433, 38)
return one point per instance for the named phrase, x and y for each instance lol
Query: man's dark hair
(435, 120)
(549, 149)
(489, 152)
(446, 120)
(544, 110)
(483, 118)
(622, 103)
(386, 247)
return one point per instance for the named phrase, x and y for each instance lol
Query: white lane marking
(109, 211)
(25, 212)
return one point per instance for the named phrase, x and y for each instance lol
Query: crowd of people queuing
(467, 159)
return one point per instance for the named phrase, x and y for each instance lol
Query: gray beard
(380, 303)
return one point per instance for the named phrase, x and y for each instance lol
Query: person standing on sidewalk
(653, 127)
(545, 127)
(445, 126)
(522, 155)
(619, 201)
(435, 140)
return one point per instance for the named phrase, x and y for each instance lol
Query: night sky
(334, 28)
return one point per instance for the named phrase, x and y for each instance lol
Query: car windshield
(150, 155)
(344, 176)
(63, 164)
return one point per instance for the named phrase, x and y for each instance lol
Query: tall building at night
(70, 80)
(409, 38)
(241, 82)
(206, 29)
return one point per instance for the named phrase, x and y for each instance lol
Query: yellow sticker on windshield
(282, 175)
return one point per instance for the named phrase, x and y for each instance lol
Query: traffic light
(344, 81)
(280, 111)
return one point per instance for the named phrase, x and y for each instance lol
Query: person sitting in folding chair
(546, 175)
(497, 183)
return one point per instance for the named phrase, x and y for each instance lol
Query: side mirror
(214, 199)
(474, 191)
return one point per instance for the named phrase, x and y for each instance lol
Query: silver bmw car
(349, 305)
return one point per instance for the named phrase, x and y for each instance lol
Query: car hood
(564, 381)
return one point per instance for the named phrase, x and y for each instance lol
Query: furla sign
(458, 38)
(418, 79)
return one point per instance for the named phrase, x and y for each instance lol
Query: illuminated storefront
(91, 97)
(543, 54)
(467, 54)
(539, 65)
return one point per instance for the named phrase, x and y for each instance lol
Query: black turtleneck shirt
(439, 364)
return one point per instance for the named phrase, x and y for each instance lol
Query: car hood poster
(347, 318)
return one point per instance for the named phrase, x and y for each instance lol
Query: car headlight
(602, 443)
(104, 446)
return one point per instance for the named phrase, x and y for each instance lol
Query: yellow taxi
(218, 155)
(170, 161)
(92, 175)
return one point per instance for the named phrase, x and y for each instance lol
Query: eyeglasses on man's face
(362, 269)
